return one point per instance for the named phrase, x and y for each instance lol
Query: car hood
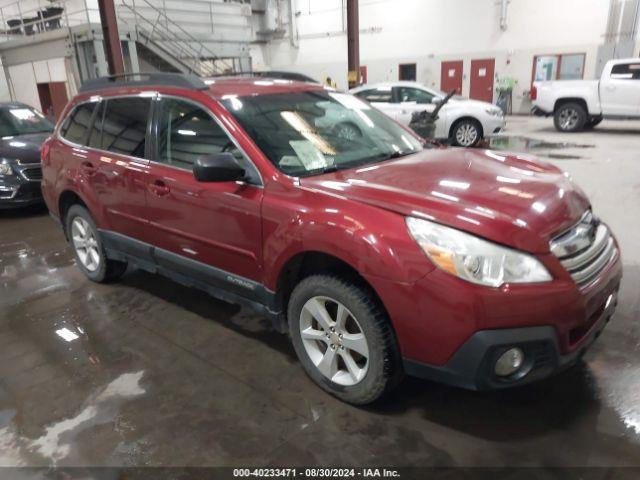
(512, 199)
(25, 148)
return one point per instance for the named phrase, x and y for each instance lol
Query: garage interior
(146, 372)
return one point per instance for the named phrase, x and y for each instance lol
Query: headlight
(495, 112)
(5, 170)
(473, 259)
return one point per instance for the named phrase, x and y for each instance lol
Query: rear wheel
(466, 133)
(570, 117)
(88, 249)
(343, 339)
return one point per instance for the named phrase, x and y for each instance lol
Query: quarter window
(75, 127)
(124, 126)
(186, 132)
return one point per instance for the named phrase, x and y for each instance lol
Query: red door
(53, 98)
(482, 72)
(363, 74)
(218, 224)
(451, 76)
(59, 97)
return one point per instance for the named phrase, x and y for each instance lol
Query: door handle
(610, 88)
(159, 188)
(88, 168)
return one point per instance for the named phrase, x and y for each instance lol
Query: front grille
(33, 174)
(585, 249)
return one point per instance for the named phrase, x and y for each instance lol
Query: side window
(381, 95)
(186, 132)
(124, 125)
(75, 127)
(409, 94)
(626, 71)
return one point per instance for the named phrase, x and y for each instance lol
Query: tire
(358, 375)
(593, 122)
(466, 133)
(570, 117)
(91, 259)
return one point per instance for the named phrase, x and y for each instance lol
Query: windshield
(306, 133)
(16, 121)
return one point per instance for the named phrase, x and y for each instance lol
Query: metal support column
(133, 57)
(353, 42)
(102, 66)
(113, 48)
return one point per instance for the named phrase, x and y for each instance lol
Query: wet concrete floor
(146, 372)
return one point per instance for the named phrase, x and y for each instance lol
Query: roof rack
(191, 82)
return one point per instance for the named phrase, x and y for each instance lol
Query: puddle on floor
(525, 144)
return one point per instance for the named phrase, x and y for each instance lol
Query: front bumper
(16, 192)
(472, 366)
(436, 317)
(493, 125)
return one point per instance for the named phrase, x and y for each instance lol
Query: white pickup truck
(579, 104)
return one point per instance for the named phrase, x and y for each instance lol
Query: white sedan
(461, 121)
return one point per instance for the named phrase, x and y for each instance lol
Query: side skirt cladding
(218, 283)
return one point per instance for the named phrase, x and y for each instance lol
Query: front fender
(373, 241)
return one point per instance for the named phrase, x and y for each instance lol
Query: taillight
(534, 92)
(44, 152)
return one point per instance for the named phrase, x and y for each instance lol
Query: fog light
(509, 362)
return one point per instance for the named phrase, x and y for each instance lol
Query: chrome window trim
(154, 95)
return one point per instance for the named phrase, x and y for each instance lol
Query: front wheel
(570, 117)
(343, 339)
(466, 133)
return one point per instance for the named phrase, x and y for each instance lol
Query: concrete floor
(158, 374)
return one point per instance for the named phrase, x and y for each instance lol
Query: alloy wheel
(85, 244)
(334, 341)
(466, 134)
(568, 118)
(347, 132)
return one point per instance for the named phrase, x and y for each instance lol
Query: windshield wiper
(322, 170)
(397, 154)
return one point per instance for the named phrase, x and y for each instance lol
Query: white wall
(429, 31)
(24, 79)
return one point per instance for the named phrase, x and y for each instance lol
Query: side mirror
(220, 167)
(436, 100)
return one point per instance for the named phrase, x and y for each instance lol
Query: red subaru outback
(378, 255)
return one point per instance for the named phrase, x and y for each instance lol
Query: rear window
(626, 71)
(75, 127)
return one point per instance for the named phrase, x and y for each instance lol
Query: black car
(23, 130)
